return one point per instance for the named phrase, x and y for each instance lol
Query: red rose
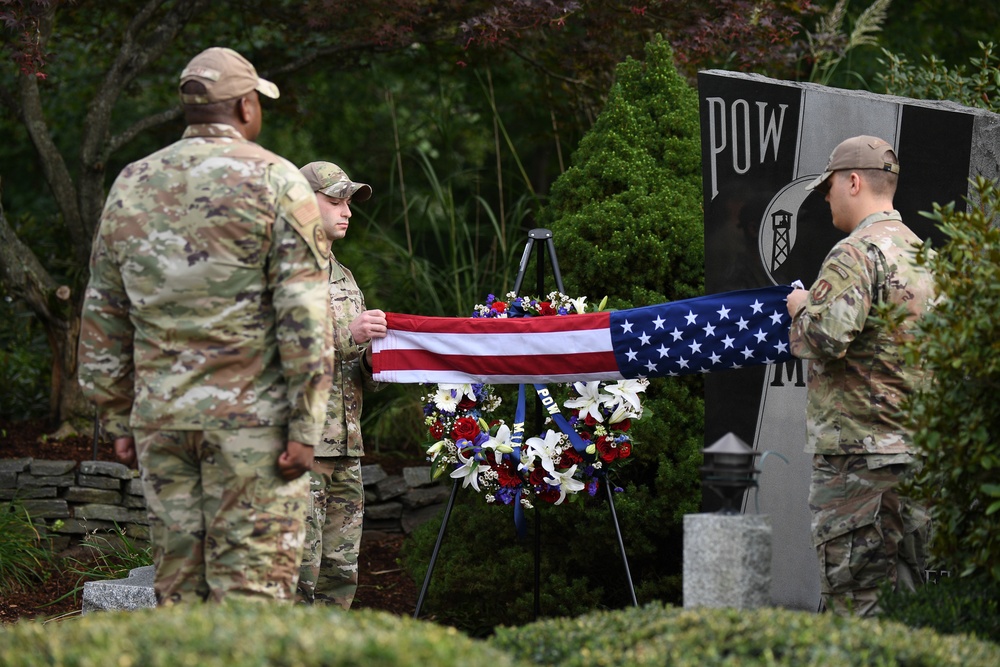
(507, 476)
(589, 420)
(569, 457)
(545, 308)
(465, 427)
(499, 307)
(623, 425)
(437, 430)
(606, 448)
(549, 495)
(624, 450)
(537, 476)
(466, 403)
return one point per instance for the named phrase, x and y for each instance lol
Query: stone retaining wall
(73, 500)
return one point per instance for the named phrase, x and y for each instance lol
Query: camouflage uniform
(205, 335)
(864, 531)
(329, 571)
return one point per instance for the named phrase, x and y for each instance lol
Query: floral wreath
(491, 455)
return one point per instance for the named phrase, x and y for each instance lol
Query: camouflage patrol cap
(329, 179)
(226, 75)
(862, 152)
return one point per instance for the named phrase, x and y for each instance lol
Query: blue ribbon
(516, 438)
(550, 405)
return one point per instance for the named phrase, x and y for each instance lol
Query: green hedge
(247, 635)
(662, 635)
(262, 634)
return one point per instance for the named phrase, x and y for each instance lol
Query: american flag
(706, 334)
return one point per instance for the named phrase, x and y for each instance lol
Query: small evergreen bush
(657, 635)
(245, 634)
(957, 416)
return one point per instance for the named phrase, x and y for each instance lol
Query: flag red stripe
(487, 364)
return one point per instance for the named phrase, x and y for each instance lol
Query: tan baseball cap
(226, 75)
(329, 179)
(863, 152)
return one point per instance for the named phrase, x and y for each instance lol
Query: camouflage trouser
(864, 532)
(222, 522)
(329, 573)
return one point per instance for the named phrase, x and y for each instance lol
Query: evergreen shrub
(957, 415)
(627, 223)
(246, 634)
(657, 635)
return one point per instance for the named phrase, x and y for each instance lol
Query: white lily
(579, 304)
(468, 472)
(589, 401)
(501, 441)
(627, 392)
(565, 481)
(434, 449)
(546, 450)
(447, 396)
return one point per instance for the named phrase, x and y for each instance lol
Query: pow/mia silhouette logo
(820, 291)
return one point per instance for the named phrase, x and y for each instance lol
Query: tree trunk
(57, 309)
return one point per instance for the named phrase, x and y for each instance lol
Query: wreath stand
(533, 235)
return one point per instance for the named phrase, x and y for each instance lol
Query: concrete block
(727, 561)
(134, 592)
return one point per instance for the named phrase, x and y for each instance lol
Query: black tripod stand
(537, 234)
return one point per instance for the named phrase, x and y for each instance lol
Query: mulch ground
(383, 584)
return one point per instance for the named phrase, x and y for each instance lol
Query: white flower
(500, 441)
(589, 401)
(447, 396)
(468, 472)
(565, 481)
(627, 392)
(436, 447)
(545, 450)
(579, 305)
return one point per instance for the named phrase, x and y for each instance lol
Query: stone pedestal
(727, 560)
(135, 592)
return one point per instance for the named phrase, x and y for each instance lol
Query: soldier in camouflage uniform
(329, 573)
(206, 341)
(865, 532)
